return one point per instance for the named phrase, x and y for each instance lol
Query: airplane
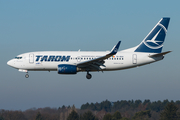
(72, 62)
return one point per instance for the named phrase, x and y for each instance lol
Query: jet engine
(67, 69)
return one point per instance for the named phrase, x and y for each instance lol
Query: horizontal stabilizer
(160, 54)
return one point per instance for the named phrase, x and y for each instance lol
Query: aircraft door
(134, 59)
(31, 58)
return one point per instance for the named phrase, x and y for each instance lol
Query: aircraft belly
(113, 66)
(40, 66)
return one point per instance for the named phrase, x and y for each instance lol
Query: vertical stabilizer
(153, 42)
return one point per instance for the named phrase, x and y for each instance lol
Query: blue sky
(27, 26)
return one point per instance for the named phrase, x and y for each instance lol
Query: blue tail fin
(153, 42)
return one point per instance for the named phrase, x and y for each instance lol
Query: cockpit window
(18, 57)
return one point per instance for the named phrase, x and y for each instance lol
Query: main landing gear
(88, 76)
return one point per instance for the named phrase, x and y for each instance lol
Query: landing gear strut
(88, 76)
(27, 75)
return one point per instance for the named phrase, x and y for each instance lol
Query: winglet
(115, 48)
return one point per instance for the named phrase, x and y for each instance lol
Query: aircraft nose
(10, 63)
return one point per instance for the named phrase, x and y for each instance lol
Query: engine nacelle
(67, 69)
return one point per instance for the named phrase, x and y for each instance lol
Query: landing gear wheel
(88, 76)
(26, 75)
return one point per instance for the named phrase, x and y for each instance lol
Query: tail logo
(115, 50)
(154, 41)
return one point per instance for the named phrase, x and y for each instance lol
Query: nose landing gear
(27, 75)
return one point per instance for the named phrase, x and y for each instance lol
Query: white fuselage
(49, 60)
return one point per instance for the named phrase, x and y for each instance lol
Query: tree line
(130, 104)
(105, 110)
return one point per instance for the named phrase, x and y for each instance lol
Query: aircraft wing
(97, 62)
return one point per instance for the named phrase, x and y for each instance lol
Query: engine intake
(67, 69)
